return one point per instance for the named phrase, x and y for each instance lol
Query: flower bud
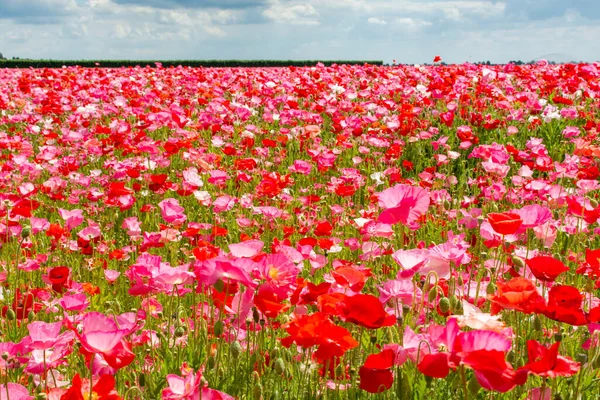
(25, 232)
(218, 328)
(10, 314)
(491, 288)
(432, 295)
(444, 305)
(518, 262)
(279, 366)
(235, 349)
(180, 331)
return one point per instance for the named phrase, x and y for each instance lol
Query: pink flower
(14, 391)
(43, 335)
(172, 212)
(533, 215)
(100, 334)
(133, 227)
(75, 302)
(301, 167)
(73, 218)
(403, 203)
(246, 249)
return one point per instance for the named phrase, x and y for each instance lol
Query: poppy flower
(365, 310)
(376, 375)
(564, 305)
(546, 362)
(546, 268)
(403, 203)
(492, 371)
(517, 294)
(59, 275)
(269, 303)
(104, 389)
(318, 330)
(505, 223)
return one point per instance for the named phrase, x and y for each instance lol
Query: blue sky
(408, 31)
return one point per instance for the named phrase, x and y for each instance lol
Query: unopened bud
(432, 295)
(180, 331)
(444, 305)
(236, 349)
(491, 288)
(10, 314)
(25, 232)
(218, 328)
(279, 366)
(518, 262)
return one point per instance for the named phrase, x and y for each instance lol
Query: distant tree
(1, 56)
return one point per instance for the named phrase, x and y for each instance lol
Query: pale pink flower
(247, 249)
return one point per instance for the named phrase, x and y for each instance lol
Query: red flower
(546, 362)
(104, 389)
(365, 310)
(323, 229)
(269, 303)
(517, 294)
(59, 275)
(435, 365)
(318, 330)
(546, 268)
(375, 374)
(350, 277)
(505, 223)
(564, 305)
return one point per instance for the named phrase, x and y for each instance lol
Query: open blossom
(172, 212)
(402, 203)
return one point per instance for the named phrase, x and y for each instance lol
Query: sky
(407, 31)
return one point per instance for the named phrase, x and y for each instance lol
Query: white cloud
(411, 24)
(296, 14)
(376, 21)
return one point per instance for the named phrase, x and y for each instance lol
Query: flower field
(341, 232)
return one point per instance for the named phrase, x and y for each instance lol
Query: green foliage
(20, 63)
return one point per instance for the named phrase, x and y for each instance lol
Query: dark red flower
(375, 374)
